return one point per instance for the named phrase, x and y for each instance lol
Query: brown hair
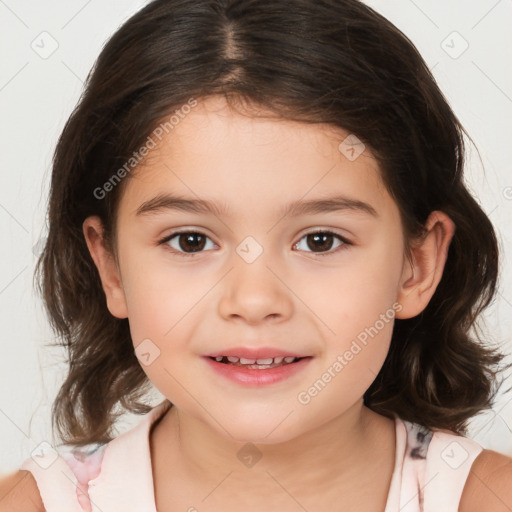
(318, 61)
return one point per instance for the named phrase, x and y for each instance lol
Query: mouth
(252, 368)
(257, 364)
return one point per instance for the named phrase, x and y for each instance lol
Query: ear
(107, 267)
(421, 276)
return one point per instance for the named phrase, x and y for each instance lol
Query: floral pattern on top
(85, 462)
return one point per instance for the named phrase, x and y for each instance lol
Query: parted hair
(314, 61)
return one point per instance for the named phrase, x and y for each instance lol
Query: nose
(254, 293)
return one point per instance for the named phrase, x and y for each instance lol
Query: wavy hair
(315, 61)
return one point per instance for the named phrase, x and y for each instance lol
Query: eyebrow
(164, 202)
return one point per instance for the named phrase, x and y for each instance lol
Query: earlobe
(106, 265)
(422, 274)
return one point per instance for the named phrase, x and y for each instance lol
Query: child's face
(315, 298)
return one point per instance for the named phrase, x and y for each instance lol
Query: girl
(258, 208)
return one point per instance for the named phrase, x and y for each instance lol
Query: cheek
(161, 306)
(352, 361)
(158, 296)
(357, 310)
(354, 296)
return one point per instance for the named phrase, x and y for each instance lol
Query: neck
(339, 458)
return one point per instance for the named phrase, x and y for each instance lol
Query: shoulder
(19, 493)
(489, 484)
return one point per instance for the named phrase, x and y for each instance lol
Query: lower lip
(251, 377)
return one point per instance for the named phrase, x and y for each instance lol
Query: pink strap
(51, 472)
(449, 462)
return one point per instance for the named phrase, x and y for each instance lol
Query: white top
(430, 470)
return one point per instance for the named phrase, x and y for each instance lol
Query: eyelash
(168, 238)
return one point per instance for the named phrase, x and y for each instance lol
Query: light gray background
(38, 90)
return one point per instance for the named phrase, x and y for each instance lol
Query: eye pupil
(193, 242)
(320, 237)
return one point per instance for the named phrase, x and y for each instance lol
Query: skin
(291, 297)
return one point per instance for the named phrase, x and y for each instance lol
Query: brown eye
(191, 242)
(186, 243)
(322, 242)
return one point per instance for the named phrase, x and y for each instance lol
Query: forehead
(245, 158)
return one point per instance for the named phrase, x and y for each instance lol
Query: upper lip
(254, 353)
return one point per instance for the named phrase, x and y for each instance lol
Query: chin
(271, 430)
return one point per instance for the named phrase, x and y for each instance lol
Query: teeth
(257, 362)
(265, 361)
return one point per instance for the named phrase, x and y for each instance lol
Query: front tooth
(264, 361)
(233, 359)
(219, 358)
(289, 359)
(246, 361)
(278, 360)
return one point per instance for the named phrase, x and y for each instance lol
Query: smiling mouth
(256, 364)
